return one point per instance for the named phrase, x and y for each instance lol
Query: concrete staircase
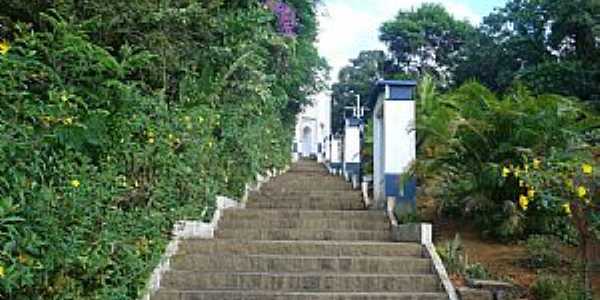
(305, 236)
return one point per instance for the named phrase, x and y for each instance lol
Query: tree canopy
(425, 40)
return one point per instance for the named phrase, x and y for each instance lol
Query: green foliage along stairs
(305, 236)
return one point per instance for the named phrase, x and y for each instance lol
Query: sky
(350, 26)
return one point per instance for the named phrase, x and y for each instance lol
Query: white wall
(352, 144)
(400, 138)
(336, 151)
(378, 155)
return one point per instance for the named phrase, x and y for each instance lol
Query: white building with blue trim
(313, 129)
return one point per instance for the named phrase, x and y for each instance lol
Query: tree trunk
(587, 266)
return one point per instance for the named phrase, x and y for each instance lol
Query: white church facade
(313, 128)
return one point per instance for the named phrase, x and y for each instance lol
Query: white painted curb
(422, 233)
(440, 270)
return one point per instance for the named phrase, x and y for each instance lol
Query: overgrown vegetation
(543, 251)
(118, 118)
(554, 287)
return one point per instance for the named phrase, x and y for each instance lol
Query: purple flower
(286, 17)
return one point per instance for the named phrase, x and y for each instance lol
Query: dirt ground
(501, 260)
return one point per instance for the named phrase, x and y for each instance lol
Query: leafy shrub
(477, 271)
(130, 116)
(467, 138)
(405, 217)
(452, 254)
(548, 287)
(542, 251)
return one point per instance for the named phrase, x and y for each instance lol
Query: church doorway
(306, 142)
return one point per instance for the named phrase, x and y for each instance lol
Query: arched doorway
(306, 142)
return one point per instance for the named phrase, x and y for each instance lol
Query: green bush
(453, 256)
(467, 138)
(548, 287)
(542, 251)
(477, 271)
(127, 117)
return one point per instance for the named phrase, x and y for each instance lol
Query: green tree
(550, 46)
(425, 40)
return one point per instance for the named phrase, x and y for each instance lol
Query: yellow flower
(68, 121)
(567, 208)
(531, 193)
(4, 47)
(581, 191)
(536, 163)
(151, 140)
(524, 202)
(171, 136)
(505, 172)
(150, 134)
(2, 272)
(587, 169)
(75, 183)
(521, 183)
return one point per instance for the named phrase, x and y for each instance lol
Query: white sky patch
(346, 29)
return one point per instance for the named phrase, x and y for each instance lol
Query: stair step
(309, 224)
(297, 214)
(301, 248)
(301, 264)
(189, 280)
(353, 205)
(316, 193)
(309, 178)
(315, 186)
(274, 188)
(267, 295)
(300, 234)
(305, 199)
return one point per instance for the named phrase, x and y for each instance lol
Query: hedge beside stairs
(118, 118)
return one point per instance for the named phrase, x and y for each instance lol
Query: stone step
(302, 234)
(269, 295)
(301, 264)
(189, 280)
(309, 224)
(307, 199)
(307, 177)
(317, 181)
(273, 188)
(312, 194)
(310, 167)
(303, 170)
(300, 248)
(296, 214)
(307, 204)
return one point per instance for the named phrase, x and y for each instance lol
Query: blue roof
(397, 82)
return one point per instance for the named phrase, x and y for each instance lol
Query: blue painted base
(335, 166)
(352, 169)
(405, 194)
